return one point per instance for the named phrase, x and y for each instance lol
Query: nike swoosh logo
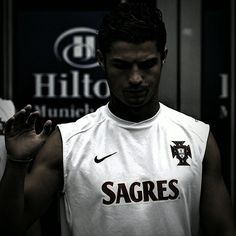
(102, 159)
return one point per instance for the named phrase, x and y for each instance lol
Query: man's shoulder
(82, 124)
(50, 155)
(178, 116)
(184, 121)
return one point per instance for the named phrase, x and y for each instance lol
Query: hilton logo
(77, 47)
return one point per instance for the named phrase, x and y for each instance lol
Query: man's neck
(134, 114)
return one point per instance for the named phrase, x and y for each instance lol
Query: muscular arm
(216, 209)
(24, 198)
(45, 180)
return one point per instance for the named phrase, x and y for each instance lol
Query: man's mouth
(135, 91)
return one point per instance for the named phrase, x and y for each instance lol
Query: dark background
(29, 57)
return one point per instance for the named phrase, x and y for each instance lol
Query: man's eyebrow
(151, 59)
(121, 60)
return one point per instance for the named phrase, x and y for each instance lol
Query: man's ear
(101, 59)
(164, 55)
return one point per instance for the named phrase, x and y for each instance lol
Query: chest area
(122, 151)
(135, 166)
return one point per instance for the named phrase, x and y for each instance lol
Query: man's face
(133, 72)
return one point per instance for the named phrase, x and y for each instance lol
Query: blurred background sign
(55, 66)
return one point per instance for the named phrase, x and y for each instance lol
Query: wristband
(20, 161)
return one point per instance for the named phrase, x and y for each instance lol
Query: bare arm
(217, 216)
(23, 198)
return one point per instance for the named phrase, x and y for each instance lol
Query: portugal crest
(181, 152)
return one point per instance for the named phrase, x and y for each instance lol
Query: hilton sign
(76, 48)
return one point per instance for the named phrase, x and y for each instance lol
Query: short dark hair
(134, 23)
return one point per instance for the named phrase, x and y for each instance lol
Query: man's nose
(135, 76)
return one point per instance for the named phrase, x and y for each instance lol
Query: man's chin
(135, 103)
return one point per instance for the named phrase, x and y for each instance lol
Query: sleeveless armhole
(203, 130)
(63, 134)
(65, 211)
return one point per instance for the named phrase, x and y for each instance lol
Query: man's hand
(22, 141)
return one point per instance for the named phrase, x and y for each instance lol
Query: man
(135, 166)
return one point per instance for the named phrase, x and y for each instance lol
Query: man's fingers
(9, 124)
(47, 128)
(28, 107)
(32, 118)
(22, 115)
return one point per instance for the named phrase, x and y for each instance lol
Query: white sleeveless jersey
(125, 178)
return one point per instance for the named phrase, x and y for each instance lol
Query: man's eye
(122, 66)
(147, 64)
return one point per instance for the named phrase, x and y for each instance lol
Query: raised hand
(22, 141)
